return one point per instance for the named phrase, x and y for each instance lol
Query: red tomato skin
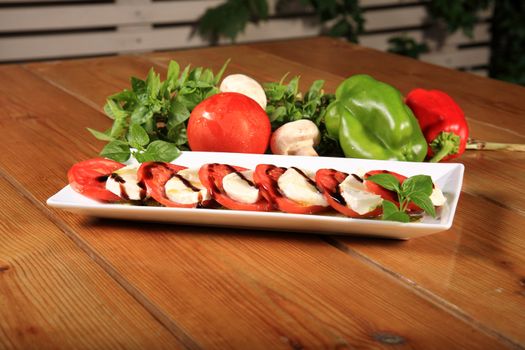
(89, 178)
(387, 194)
(211, 176)
(266, 176)
(229, 122)
(155, 175)
(328, 180)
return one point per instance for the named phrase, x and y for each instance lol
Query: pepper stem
(494, 146)
(445, 144)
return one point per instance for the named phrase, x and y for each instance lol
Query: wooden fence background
(47, 29)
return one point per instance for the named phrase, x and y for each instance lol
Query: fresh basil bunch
(149, 121)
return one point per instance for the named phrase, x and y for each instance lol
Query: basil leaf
(315, 90)
(138, 86)
(177, 114)
(418, 183)
(171, 78)
(152, 84)
(139, 115)
(399, 216)
(423, 201)
(389, 208)
(118, 128)
(293, 86)
(195, 74)
(162, 151)
(100, 135)
(207, 77)
(178, 135)
(221, 72)
(113, 110)
(137, 136)
(116, 150)
(388, 181)
(184, 75)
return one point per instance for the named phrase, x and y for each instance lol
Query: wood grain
(485, 101)
(52, 295)
(225, 288)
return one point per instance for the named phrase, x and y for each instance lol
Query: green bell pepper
(370, 120)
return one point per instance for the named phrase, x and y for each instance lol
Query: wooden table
(69, 281)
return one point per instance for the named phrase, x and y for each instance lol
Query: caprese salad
(265, 188)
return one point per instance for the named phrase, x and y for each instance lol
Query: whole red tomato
(229, 122)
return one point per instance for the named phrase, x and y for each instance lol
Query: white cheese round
(177, 191)
(357, 197)
(127, 177)
(437, 197)
(239, 189)
(294, 186)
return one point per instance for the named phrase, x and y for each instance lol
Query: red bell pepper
(442, 122)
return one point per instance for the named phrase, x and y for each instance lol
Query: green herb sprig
(149, 121)
(287, 104)
(416, 189)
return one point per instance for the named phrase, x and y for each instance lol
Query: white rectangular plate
(448, 177)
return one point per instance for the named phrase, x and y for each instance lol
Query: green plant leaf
(138, 86)
(219, 75)
(178, 135)
(152, 84)
(99, 135)
(114, 111)
(423, 201)
(116, 150)
(399, 216)
(388, 181)
(178, 113)
(418, 183)
(389, 208)
(137, 136)
(160, 151)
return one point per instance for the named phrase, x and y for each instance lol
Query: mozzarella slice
(437, 197)
(237, 188)
(177, 190)
(124, 183)
(297, 188)
(357, 197)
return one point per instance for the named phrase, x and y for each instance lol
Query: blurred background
(485, 37)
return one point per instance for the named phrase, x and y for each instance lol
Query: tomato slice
(155, 175)
(211, 176)
(266, 176)
(328, 181)
(387, 194)
(89, 178)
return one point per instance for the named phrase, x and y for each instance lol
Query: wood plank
(480, 98)
(52, 295)
(478, 265)
(100, 15)
(226, 287)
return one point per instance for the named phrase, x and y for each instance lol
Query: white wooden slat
(100, 15)
(462, 58)
(480, 72)
(83, 44)
(481, 33)
(412, 16)
(395, 18)
(365, 3)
